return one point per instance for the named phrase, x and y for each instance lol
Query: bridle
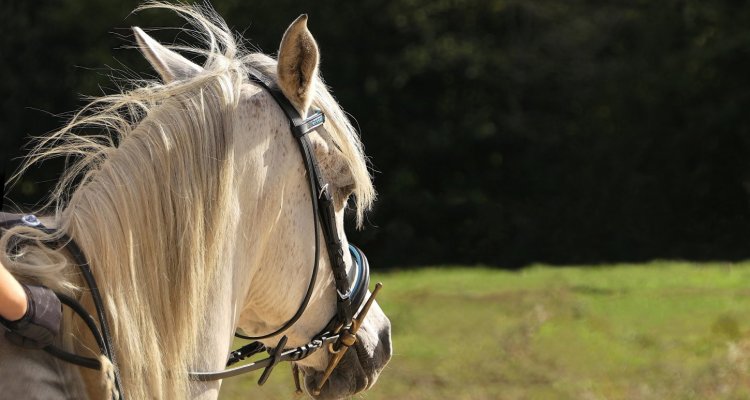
(340, 333)
(337, 336)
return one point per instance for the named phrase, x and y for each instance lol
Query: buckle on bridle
(344, 296)
(31, 220)
(309, 124)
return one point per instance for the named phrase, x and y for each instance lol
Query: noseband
(339, 333)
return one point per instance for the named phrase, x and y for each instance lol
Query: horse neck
(159, 240)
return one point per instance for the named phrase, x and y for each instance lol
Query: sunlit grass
(662, 330)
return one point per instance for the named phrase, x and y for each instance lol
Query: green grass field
(662, 330)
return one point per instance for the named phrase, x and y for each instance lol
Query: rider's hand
(41, 323)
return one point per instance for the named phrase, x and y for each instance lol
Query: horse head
(193, 210)
(275, 226)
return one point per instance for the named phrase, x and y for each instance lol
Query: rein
(103, 337)
(339, 333)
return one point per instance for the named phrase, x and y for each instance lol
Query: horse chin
(348, 379)
(344, 382)
(357, 371)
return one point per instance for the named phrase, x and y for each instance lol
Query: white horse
(194, 212)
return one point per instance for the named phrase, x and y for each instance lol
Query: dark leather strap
(322, 204)
(300, 128)
(61, 241)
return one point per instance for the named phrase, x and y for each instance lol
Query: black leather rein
(102, 333)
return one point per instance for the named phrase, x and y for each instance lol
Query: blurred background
(501, 132)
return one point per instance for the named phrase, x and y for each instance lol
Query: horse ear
(170, 65)
(298, 64)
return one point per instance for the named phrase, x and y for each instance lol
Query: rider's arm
(30, 314)
(13, 302)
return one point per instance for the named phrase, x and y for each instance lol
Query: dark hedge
(502, 132)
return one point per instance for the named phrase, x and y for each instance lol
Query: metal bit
(347, 338)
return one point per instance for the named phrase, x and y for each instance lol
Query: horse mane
(150, 199)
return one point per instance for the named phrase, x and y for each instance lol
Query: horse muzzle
(359, 367)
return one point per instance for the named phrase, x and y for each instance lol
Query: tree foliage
(502, 132)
